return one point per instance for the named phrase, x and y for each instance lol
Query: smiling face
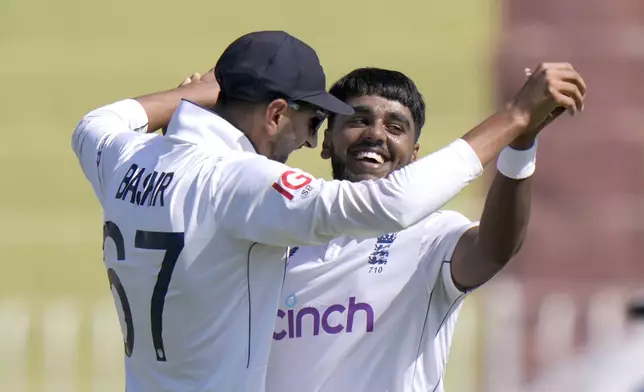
(378, 139)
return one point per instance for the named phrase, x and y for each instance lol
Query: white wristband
(517, 164)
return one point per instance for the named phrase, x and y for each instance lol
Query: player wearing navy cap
(196, 222)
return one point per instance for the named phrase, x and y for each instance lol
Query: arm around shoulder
(268, 202)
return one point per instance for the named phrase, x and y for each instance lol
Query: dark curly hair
(388, 84)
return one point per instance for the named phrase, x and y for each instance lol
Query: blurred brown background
(586, 242)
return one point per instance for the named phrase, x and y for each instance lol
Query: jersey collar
(198, 125)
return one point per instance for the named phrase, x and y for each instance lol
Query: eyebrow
(399, 117)
(396, 116)
(363, 109)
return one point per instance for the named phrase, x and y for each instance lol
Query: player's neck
(240, 119)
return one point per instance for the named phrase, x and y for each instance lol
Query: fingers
(549, 90)
(574, 99)
(563, 71)
(570, 76)
(553, 66)
(551, 117)
(565, 101)
(185, 82)
(195, 77)
(573, 77)
(210, 75)
(564, 83)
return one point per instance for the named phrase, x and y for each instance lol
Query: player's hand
(527, 140)
(549, 90)
(203, 89)
(194, 78)
(551, 117)
(209, 76)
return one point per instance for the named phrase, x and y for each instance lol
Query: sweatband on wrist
(517, 164)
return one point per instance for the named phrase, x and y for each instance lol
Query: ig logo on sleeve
(292, 182)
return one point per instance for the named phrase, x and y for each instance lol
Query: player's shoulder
(441, 223)
(444, 217)
(440, 232)
(115, 153)
(245, 160)
(432, 230)
(125, 144)
(247, 166)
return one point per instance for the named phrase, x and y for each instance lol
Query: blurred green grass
(60, 59)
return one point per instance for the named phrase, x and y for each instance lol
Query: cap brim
(329, 103)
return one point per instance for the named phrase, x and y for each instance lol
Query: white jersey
(372, 315)
(196, 225)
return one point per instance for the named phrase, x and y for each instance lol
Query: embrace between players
(231, 271)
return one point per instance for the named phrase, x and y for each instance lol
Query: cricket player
(378, 314)
(197, 222)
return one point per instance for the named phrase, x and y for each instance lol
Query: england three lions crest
(380, 253)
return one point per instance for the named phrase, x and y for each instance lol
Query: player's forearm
(373, 208)
(313, 211)
(108, 121)
(426, 185)
(414, 192)
(489, 137)
(160, 106)
(507, 208)
(505, 218)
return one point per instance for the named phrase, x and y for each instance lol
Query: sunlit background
(556, 321)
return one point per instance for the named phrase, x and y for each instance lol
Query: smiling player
(378, 314)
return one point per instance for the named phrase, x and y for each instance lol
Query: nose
(312, 140)
(375, 132)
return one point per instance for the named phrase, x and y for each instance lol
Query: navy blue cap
(265, 64)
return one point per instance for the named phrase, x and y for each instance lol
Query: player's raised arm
(483, 252)
(96, 132)
(101, 129)
(270, 203)
(200, 89)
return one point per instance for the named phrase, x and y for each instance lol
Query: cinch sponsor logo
(331, 320)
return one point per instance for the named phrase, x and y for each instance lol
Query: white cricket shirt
(373, 315)
(196, 225)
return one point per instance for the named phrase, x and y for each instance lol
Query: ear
(273, 115)
(326, 145)
(414, 154)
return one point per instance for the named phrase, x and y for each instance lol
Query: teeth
(371, 155)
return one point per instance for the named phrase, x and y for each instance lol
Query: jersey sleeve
(442, 236)
(101, 133)
(267, 202)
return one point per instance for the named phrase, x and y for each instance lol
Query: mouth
(369, 159)
(369, 156)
